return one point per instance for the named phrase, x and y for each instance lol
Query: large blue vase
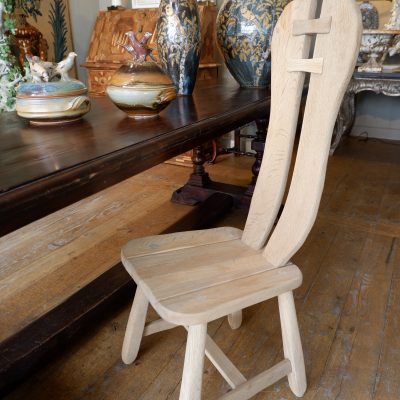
(244, 34)
(179, 42)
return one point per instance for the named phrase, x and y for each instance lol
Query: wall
(83, 16)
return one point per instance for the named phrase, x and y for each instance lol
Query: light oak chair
(193, 278)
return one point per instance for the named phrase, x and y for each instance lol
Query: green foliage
(10, 75)
(59, 25)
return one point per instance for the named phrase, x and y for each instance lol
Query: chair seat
(198, 276)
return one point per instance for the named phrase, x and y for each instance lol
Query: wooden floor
(348, 305)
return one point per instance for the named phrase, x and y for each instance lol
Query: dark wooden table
(45, 169)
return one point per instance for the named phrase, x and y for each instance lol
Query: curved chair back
(337, 32)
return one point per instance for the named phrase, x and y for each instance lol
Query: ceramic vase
(244, 34)
(370, 15)
(179, 42)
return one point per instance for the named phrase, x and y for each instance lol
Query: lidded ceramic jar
(48, 103)
(141, 89)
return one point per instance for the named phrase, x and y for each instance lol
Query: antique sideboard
(105, 55)
(386, 83)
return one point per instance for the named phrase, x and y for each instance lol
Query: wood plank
(362, 322)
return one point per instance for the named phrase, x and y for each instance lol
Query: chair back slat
(338, 49)
(286, 89)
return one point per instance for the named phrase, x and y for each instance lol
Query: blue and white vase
(179, 42)
(244, 34)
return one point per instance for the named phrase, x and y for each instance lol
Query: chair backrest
(337, 41)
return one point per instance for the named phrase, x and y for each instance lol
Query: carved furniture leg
(345, 120)
(135, 327)
(258, 145)
(194, 362)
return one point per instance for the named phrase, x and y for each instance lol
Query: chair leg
(135, 327)
(235, 319)
(292, 344)
(194, 362)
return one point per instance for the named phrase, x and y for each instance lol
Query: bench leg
(235, 319)
(194, 362)
(135, 327)
(292, 344)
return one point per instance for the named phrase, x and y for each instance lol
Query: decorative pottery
(375, 45)
(141, 89)
(179, 42)
(370, 15)
(51, 97)
(244, 33)
(48, 103)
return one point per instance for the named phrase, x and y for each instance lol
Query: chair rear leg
(194, 362)
(235, 319)
(135, 327)
(292, 344)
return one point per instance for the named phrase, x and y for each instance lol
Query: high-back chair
(193, 278)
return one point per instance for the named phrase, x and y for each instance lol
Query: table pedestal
(199, 186)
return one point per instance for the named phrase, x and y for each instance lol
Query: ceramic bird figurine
(38, 71)
(138, 49)
(64, 66)
(47, 65)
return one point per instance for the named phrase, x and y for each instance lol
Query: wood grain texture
(194, 361)
(338, 49)
(269, 191)
(312, 26)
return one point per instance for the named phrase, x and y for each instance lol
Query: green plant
(10, 74)
(59, 25)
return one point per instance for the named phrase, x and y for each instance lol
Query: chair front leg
(135, 327)
(292, 344)
(194, 362)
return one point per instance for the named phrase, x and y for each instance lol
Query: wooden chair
(193, 278)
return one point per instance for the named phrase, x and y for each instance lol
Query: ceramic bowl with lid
(48, 103)
(141, 89)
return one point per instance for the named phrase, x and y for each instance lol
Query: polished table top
(43, 169)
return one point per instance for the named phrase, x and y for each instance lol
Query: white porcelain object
(375, 44)
(394, 22)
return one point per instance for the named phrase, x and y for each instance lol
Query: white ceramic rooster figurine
(64, 66)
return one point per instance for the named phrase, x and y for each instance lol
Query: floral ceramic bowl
(48, 103)
(141, 89)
